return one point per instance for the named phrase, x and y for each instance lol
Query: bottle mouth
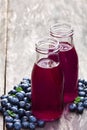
(61, 30)
(47, 45)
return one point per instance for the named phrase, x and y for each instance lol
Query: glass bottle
(47, 81)
(68, 59)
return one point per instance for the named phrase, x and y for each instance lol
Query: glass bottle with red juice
(68, 59)
(47, 82)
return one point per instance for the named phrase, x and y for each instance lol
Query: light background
(22, 22)
(26, 21)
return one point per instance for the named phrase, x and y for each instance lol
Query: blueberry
(85, 103)
(85, 83)
(17, 120)
(28, 95)
(10, 98)
(13, 100)
(17, 126)
(14, 109)
(26, 78)
(32, 126)
(21, 112)
(20, 95)
(22, 104)
(82, 93)
(15, 87)
(3, 96)
(72, 107)
(23, 93)
(8, 119)
(80, 84)
(25, 124)
(24, 81)
(85, 90)
(82, 81)
(5, 113)
(80, 109)
(24, 118)
(28, 113)
(28, 89)
(80, 104)
(79, 80)
(12, 92)
(27, 106)
(85, 98)
(26, 100)
(25, 85)
(3, 109)
(80, 88)
(82, 99)
(32, 118)
(4, 102)
(9, 125)
(40, 123)
(16, 116)
(8, 105)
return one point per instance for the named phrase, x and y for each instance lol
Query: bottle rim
(61, 29)
(47, 45)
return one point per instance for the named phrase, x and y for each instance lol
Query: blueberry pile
(16, 108)
(80, 102)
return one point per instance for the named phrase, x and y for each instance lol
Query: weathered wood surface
(22, 22)
(3, 33)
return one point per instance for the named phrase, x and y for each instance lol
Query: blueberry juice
(47, 82)
(69, 63)
(68, 59)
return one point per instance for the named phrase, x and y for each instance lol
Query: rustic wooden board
(3, 40)
(23, 30)
(20, 54)
(29, 20)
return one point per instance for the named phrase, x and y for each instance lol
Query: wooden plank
(3, 30)
(2, 44)
(26, 22)
(20, 54)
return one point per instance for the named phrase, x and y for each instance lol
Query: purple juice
(69, 64)
(63, 32)
(47, 90)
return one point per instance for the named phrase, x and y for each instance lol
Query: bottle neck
(47, 52)
(62, 32)
(64, 39)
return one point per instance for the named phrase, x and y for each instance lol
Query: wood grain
(20, 54)
(3, 40)
(22, 23)
(25, 29)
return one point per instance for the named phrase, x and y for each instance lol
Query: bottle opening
(47, 45)
(61, 30)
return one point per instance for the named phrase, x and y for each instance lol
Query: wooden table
(21, 24)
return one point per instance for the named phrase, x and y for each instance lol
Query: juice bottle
(47, 82)
(68, 59)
